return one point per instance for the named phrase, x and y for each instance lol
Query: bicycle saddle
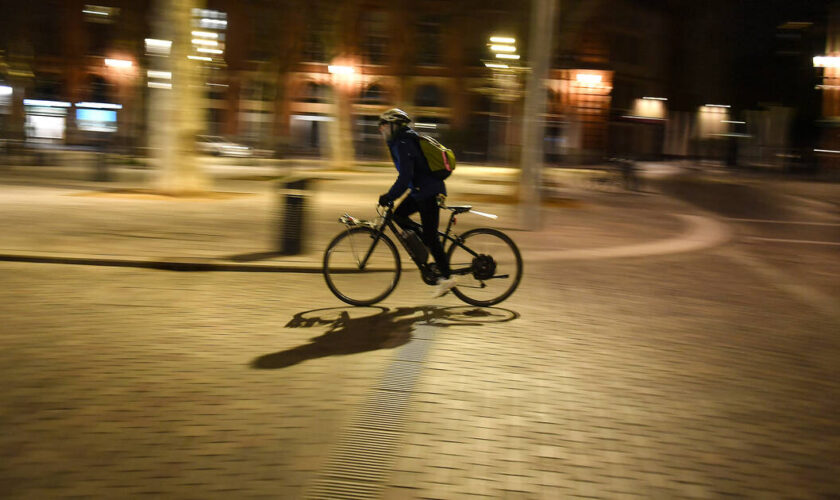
(459, 209)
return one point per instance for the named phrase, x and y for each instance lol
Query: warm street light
(826, 62)
(507, 56)
(495, 65)
(655, 98)
(502, 39)
(118, 63)
(340, 70)
(588, 78)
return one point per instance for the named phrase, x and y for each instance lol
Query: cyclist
(414, 175)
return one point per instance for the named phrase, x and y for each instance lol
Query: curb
(700, 232)
(164, 265)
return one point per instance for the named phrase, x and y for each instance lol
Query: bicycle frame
(388, 222)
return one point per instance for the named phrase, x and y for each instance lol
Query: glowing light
(201, 41)
(163, 75)
(826, 62)
(157, 46)
(736, 122)
(656, 98)
(832, 151)
(340, 70)
(5, 90)
(503, 48)
(98, 105)
(97, 10)
(205, 34)
(588, 78)
(639, 117)
(312, 118)
(495, 65)
(209, 51)
(118, 63)
(212, 23)
(502, 39)
(159, 85)
(49, 104)
(199, 58)
(717, 105)
(507, 56)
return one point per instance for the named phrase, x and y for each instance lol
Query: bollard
(100, 169)
(293, 193)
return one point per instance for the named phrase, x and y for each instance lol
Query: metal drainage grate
(361, 460)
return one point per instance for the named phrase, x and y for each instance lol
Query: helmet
(394, 115)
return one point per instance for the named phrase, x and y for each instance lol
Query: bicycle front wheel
(488, 266)
(353, 280)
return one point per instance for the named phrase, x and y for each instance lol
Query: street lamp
(826, 62)
(118, 63)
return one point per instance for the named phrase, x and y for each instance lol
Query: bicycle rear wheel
(348, 280)
(490, 274)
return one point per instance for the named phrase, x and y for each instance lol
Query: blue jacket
(414, 173)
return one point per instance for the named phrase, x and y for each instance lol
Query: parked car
(217, 145)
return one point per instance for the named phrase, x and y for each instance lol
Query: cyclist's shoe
(443, 286)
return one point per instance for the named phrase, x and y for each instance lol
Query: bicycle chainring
(483, 267)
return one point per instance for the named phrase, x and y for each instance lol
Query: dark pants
(430, 217)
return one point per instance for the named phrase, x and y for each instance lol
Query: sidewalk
(238, 226)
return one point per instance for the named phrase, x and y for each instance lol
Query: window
(627, 49)
(100, 90)
(314, 45)
(373, 95)
(375, 36)
(313, 92)
(428, 42)
(428, 96)
(99, 37)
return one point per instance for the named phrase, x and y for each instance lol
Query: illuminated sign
(96, 120)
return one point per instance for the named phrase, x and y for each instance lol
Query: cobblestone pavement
(682, 376)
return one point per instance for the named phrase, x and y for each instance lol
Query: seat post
(449, 225)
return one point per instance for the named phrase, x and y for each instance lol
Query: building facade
(267, 78)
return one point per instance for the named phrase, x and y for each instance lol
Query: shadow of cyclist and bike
(352, 330)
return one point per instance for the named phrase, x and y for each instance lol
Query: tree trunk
(176, 114)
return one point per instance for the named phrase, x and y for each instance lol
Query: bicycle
(362, 265)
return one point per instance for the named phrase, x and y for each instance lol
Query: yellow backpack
(440, 158)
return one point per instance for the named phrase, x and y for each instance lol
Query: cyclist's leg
(430, 216)
(403, 211)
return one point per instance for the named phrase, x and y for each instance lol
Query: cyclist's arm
(405, 167)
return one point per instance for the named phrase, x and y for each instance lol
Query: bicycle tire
(335, 265)
(464, 291)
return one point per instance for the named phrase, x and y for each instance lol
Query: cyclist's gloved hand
(384, 201)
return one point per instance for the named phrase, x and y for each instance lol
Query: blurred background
(750, 83)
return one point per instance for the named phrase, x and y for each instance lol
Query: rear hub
(483, 267)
